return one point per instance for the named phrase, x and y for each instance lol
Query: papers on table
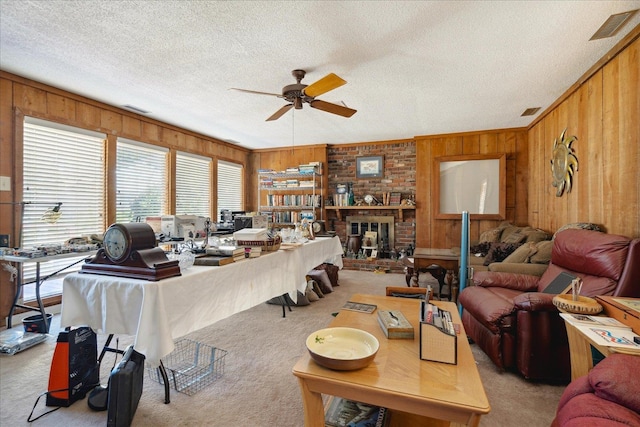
(604, 331)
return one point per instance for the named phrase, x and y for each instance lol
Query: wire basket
(191, 366)
(270, 245)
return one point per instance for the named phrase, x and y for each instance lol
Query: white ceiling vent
(530, 111)
(135, 109)
(612, 25)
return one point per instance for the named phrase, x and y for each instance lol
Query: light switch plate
(5, 183)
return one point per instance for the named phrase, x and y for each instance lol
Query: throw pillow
(543, 254)
(310, 294)
(332, 271)
(522, 254)
(499, 251)
(515, 237)
(490, 236)
(323, 280)
(536, 235)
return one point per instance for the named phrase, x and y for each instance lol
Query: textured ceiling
(413, 68)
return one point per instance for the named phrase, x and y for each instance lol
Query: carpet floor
(257, 387)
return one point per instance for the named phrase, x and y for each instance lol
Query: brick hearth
(364, 265)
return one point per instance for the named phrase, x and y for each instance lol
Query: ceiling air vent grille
(530, 111)
(135, 109)
(612, 25)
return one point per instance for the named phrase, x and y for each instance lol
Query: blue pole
(464, 253)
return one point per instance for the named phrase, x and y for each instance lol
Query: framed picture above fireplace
(369, 167)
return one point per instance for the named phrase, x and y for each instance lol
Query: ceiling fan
(297, 94)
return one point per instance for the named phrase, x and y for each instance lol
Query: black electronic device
(241, 222)
(560, 284)
(129, 250)
(125, 388)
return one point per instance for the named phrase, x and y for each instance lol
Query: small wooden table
(416, 392)
(446, 259)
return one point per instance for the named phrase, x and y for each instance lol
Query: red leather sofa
(517, 325)
(608, 396)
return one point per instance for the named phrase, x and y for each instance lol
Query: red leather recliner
(518, 326)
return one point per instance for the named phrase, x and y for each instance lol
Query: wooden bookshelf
(338, 209)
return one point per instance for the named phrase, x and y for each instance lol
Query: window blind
(141, 176)
(230, 184)
(61, 164)
(193, 186)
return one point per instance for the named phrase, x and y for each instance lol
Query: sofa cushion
(499, 251)
(536, 235)
(521, 254)
(578, 225)
(488, 307)
(616, 379)
(573, 250)
(515, 237)
(492, 235)
(542, 254)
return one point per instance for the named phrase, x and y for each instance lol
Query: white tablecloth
(159, 312)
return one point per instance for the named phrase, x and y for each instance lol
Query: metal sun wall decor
(564, 163)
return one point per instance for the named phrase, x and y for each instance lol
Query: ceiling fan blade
(325, 84)
(280, 112)
(332, 108)
(256, 92)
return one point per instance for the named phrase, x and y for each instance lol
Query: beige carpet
(257, 388)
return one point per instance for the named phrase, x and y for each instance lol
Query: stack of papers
(603, 330)
(251, 234)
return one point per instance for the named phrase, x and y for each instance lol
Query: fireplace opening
(382, 225)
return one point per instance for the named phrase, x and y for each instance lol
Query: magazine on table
(359, 307)
(587, 320)
(611, 337)
(342, 412)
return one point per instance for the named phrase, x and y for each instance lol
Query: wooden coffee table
(417, 392)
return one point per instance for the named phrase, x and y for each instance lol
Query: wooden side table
(440, 263)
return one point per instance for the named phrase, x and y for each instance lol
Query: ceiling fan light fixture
(612, 25)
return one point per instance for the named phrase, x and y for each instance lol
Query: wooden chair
(398, 291)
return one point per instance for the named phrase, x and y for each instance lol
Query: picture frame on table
(369, 167)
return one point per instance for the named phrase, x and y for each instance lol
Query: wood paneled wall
(442, 233)
(21, 97)
(603, 112)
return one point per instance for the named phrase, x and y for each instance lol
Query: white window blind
(141, 176)
(64, 165)
(193, 186)
(230, 184)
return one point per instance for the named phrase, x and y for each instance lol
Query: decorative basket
(584, 305)
(270, 245)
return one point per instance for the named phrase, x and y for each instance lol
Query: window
(230, 194)
(193, 185)
(139, 198)
(63, 165)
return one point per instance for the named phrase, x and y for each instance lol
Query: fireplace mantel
(400, 209)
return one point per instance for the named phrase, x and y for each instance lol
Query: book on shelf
(340, 412)
(359, 307)
(589, 320)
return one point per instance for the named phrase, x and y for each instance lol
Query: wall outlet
(4, 240)
(5, 183)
